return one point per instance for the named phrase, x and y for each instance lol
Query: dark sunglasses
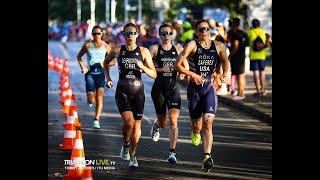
(130, 33)
(94, 34)
(204, 29)
(164, 33)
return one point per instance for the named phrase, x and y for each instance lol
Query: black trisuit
(130, 89)
(203, 98)
(165, 90)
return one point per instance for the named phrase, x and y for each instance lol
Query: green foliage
(67, 9)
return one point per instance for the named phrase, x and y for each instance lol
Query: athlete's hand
(165, 68)
(139, 63)
(84, 70)
(181, 77)
(109, 84)
(197, 79)
(223, 78)
(220, 31)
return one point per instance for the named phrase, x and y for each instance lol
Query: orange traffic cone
(87, 173)
(66, 94)
(69, 103)
(78, 169)
(65, 69)
(50, 61)
(66, 105)
(68, 138)
(62, 80)
(58, 64)
(72, 118)
(64, 83)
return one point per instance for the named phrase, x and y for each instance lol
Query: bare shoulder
(219, 45)
(144, 50)
(178, 47)
(190, 47)
(191, 44)
(86, 44)
(154, 47)
(107, 46)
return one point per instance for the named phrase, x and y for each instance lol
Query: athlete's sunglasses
(130, 33)
(165, 33)
(94, 34)
(203, 29)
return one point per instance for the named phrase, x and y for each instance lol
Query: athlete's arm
(153, 51)
(189, 48)
(108, 48)
(109, 61)
(224, 59)
(83, 50)
(185, 63)
(148, 65)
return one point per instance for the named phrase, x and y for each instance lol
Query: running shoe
(124, 153)
(195, 138)
(154, 133)
(238, 98)
(264, 93)
(172, 158)
(133, 163)
(207, 165)
(96, 124)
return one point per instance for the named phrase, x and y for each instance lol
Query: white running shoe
(96, 124)
(154, 133)
(133, 163)
(124, 153)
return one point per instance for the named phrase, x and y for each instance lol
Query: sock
(126, 144)
(173, 150)
(207, 155)
(196, 132)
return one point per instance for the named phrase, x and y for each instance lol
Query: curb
(250, 110)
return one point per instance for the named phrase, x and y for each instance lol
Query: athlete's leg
(160, 106)
(128, 123)
(91, 97)
(90, 87)
(207, 142)
(197, 125)
(162, 121)
(99, 100)
(207, 132)
(135, 136)
(173, 131)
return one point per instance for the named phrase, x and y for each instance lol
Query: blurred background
(75, 17)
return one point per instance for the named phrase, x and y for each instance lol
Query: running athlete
(165, 90)
(96, 51)
(202, 98)
(132, 61)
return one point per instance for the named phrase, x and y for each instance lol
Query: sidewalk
(260, 107)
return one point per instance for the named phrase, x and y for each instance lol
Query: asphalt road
(242, 146)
